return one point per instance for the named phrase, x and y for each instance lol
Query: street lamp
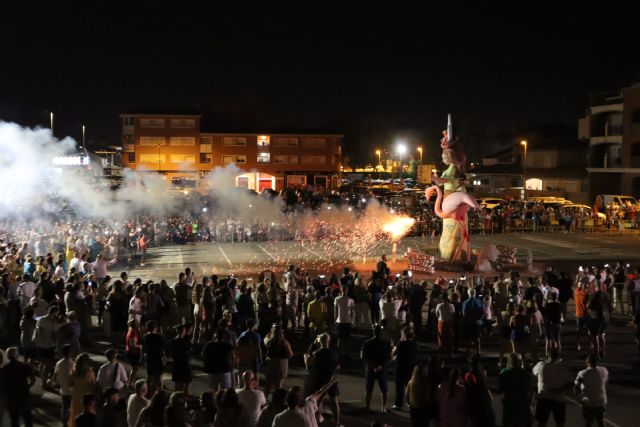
(83, 133)
(524, 169)
(51, 120)
(420, 152)
(401, 150)
(379, 154)
(158, 146)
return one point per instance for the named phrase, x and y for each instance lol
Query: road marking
(267, 252)
(313, 252)
(225, 255)
(606, 420)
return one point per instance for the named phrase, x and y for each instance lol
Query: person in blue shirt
(472, 314)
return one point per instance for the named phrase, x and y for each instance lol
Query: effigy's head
(448, 156)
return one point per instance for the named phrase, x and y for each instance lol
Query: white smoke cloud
(32, 185)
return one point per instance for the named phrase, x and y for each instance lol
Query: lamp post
(83, 133)
(158, 146)
(379, 154)
(401, 150)
(524, 169)
(51, 121)
(420, 152)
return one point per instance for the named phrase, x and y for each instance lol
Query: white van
(603, 200)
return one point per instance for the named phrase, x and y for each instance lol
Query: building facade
(611, 128)
(175, 146)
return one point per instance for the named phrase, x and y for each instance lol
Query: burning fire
(398, 227)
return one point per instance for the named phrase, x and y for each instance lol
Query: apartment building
(175, 146)
(611, 128)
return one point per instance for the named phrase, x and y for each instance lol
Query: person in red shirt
(132, 347)
(580, 297)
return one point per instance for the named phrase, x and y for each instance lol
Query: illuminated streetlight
(51, 120)
(379, 154)
(524, 169)
(401, 150)
(420, 151)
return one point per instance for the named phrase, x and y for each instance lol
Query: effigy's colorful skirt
(455, 242)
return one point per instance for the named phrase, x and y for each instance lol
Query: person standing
(417, 298)
(180, 352)
(17, 379)
(515, 383)
(112, 374)
(344, 312)
(251, 399)
(404, 353)
(591, 385)
(580, 297)
(137, 402)
(599, 309)
(279, 352)
(323, 366)
(445, 312)
(87, 418)
(44, 338)
(153, 347)
(61, 376)
(553, 318)
(218, 357)
(472, 314)
(554, 378)
(376, 354)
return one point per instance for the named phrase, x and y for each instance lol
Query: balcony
(611, 139)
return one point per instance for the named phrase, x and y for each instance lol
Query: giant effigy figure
(452, 205)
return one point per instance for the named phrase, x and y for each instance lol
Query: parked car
(491, 202)
(603, 200)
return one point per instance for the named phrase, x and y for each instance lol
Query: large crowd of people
(57, 296)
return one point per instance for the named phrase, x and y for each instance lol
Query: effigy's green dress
(455, 242)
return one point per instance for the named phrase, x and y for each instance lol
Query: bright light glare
(401, 149)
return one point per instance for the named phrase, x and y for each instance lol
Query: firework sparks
(398, 227)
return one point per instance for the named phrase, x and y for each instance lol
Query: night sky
(371, 71)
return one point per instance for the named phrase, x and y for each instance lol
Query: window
(206, 139)
(127, 139)
(152, 141)
(152, 158)
(206, 158)
(285, 141)
(264, 140)
(635, 150)
(182, 140)
(264, 157)
(205, 148)
(152, 123)
(313, 160)
(131, 157)
(635, 121)
(129, 121)
(234, 158)
(284, 160)
(182, 123)
(237, 141)
(314, 142)
(182, 158)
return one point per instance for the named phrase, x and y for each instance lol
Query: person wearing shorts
(553, 380)
(218, 358)
(344, 313)
(376, 354)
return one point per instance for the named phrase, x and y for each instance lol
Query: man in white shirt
(301, 411)
(137, 402)
(591, 383)
(135, 306)
(62, 375)
(445, 312)
(112, 374)
(26, 289)
(344, 313)
(251, 398)
(554, 378)
(75, 261)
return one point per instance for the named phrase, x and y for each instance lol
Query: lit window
(152, 158)
(182, 140)
(264, 140)
(234, 158)
(182, 158)
(206, 139)
(152, 141)
(264, 157)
